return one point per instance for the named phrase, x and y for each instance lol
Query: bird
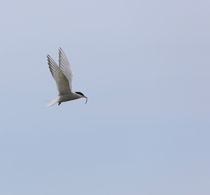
(63, 76)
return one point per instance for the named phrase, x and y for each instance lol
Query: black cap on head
(80, 93)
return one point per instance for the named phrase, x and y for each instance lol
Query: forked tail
(53, 102)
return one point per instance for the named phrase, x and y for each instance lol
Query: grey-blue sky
(144, 66)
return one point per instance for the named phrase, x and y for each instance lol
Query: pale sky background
(145, 66)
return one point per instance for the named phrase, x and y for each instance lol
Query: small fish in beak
(86, 99)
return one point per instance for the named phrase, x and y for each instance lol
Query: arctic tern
(63, 78)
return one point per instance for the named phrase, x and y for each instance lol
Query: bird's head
(82, 96)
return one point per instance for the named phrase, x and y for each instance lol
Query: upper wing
(61, 80)
(64, 65)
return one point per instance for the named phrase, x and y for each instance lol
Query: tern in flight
(63, 78)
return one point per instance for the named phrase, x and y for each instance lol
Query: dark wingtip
(48, 56)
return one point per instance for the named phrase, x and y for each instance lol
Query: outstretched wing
(64, 66)
(61, 80)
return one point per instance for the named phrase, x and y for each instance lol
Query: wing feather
(61, 80)
(64, 66)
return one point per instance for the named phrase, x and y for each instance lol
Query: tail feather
(53, 102)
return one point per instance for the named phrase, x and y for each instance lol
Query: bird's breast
(68, 97)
